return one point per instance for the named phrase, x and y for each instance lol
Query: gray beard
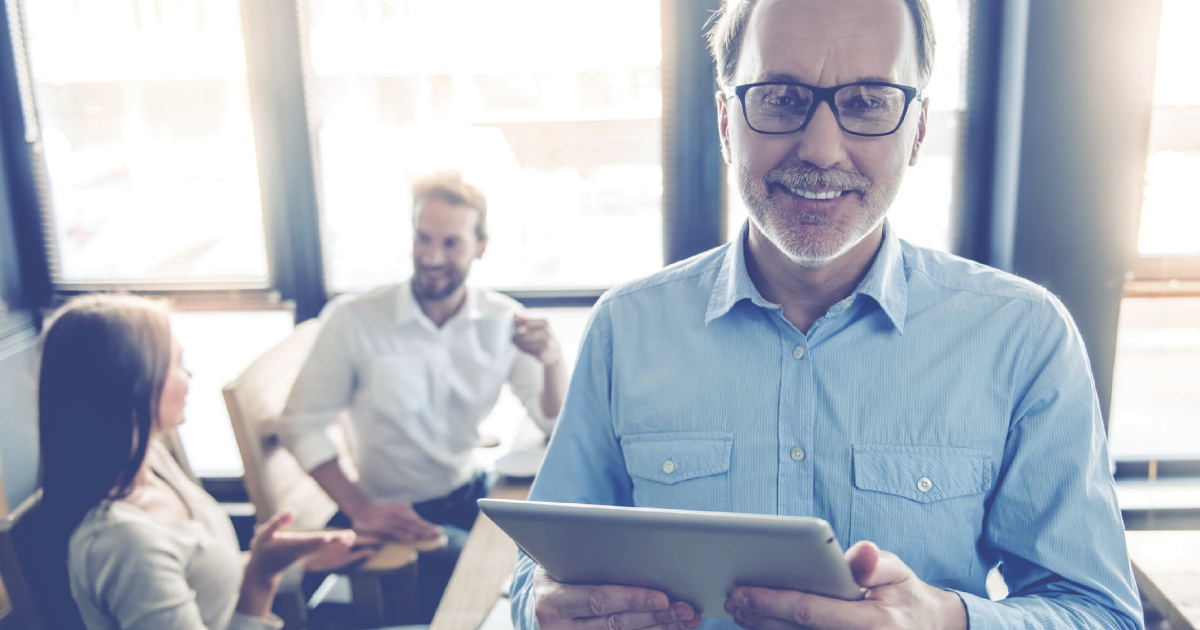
(811, 239)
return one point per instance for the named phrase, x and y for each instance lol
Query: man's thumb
(863, 558)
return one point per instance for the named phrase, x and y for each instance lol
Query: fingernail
(742, 600)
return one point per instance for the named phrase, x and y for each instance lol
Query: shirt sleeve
(583, 463)
(1055, 485)
(527, 377)
(324, 387)
(140, 580)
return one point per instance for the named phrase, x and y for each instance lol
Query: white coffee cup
(495, 332)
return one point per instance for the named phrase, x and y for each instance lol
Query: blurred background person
(409, 362)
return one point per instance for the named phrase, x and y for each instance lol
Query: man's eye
(864, 103)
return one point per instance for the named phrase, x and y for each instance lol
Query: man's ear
(480, 248)
(723, 125)
(922, 125)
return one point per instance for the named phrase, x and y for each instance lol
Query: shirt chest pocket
(680, 470)
(923, 503)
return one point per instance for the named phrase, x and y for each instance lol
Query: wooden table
(487, 559)
(1166, 565)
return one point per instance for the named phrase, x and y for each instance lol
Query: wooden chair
(384, 588)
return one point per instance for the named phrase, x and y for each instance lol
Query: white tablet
(696, 557)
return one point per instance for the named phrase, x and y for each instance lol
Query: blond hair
(729, 28)
(450, 187)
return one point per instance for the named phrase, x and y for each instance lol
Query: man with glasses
(938, 413)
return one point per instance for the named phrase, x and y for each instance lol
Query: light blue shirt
(945, 411)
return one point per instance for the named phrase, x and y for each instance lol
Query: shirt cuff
(246, 622)
(983, 614)
(314, 449)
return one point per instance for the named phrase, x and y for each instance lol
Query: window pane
(1170, 220)
(144, 115)
(1155, 401)
(559, 127)
(921, 212)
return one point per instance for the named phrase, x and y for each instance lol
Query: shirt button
(924, 484)
(798, 352)
(668, 466)
(797, 453)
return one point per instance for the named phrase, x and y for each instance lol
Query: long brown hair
(103, 364)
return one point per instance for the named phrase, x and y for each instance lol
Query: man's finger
(876, 567)
(863, 557)
(807, 610)
(754, 621)
(637, 620)
(575, 602)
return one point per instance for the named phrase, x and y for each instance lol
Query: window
(217, 346)
(143, 114)
(1156, 403)
(559, 127)
(922, 210)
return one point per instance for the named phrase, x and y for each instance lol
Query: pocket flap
(674, 457)
(922, 473)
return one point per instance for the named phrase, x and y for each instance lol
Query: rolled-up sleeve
(324, 387)
(583, 463)
(527, 378)
(1054, 521)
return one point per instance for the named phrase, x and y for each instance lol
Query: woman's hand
(273, 550)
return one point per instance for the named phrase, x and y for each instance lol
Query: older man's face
(822, 43)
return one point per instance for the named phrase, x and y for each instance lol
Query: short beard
(798, 235)
(453, 283)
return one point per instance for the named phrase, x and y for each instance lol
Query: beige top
(129, 571)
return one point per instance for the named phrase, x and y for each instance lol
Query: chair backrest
(34, 573)
(256, 399)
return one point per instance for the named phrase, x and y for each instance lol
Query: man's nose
(431, 256)
(822, 142)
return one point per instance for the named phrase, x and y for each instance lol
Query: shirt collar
(408, 309)
(733, 282)
(885, 281)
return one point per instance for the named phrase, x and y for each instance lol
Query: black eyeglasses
(866, 108)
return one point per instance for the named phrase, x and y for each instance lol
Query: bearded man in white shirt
(406, 363)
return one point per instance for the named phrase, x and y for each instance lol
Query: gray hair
(729, 27)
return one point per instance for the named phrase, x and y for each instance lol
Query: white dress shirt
(415, 393)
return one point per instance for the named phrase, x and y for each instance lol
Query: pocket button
(924, 484)
(668, 466)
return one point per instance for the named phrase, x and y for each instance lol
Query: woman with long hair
(143, 545)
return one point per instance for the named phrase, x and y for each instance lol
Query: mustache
(811, 177)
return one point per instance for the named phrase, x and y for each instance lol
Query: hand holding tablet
(692, 557)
